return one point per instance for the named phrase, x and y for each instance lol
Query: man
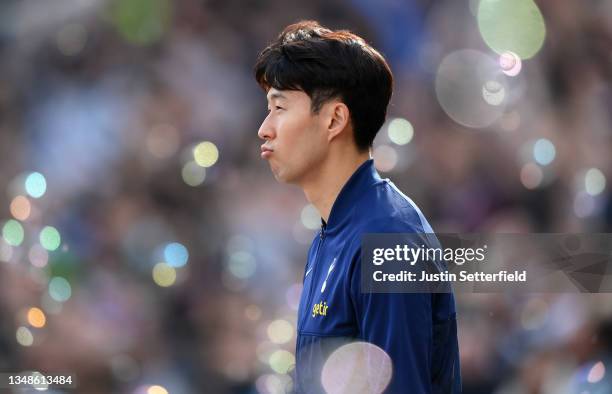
(327, 94)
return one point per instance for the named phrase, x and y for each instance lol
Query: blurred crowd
(129, 128)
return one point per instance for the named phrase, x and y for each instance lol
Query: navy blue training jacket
(417, 331)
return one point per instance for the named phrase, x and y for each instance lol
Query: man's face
(295, 138)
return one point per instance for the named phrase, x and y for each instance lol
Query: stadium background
(146, 247)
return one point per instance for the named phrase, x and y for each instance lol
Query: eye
(276, 108)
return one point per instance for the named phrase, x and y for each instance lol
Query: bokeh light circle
(400, 131)
(274, 384)
(544, 151)
(584, 205)
(280, 331)
(50, 238)
(242, 264)
(357, 367)
(39, 257)
(20, 208)
(59, 289)
(36, 317)
(36, 185)
(205, 154)
(310, 217)
(510, 63)
(512, 25)
(156, 389)
(493, 92)
(6, 251)
(281, 360)
(24, 336)
(193, 174)
(164, 275)
(470, 88)
(531, 175)
(176, 254)
(594, 181)
(385, 158)
(12, 232)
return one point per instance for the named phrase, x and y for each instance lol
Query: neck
(322, 188)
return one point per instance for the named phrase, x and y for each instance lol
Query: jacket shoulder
(386, 209)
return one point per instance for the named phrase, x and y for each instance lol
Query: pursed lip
(266, 152)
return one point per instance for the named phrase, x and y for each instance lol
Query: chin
(284, 176)
(277, 173)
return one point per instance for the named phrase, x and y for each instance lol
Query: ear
(337, 119)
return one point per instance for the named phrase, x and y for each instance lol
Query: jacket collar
(363, 177)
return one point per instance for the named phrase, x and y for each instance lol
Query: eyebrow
(276, 96)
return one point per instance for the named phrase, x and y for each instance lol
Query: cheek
(290, 134)
(300, 137)
(305, 146)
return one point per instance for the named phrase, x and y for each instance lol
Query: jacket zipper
(314, 276)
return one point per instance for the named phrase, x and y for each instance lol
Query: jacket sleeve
(417, 330)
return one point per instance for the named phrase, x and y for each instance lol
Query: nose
(266, 130)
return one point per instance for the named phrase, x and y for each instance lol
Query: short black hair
(327, 64)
